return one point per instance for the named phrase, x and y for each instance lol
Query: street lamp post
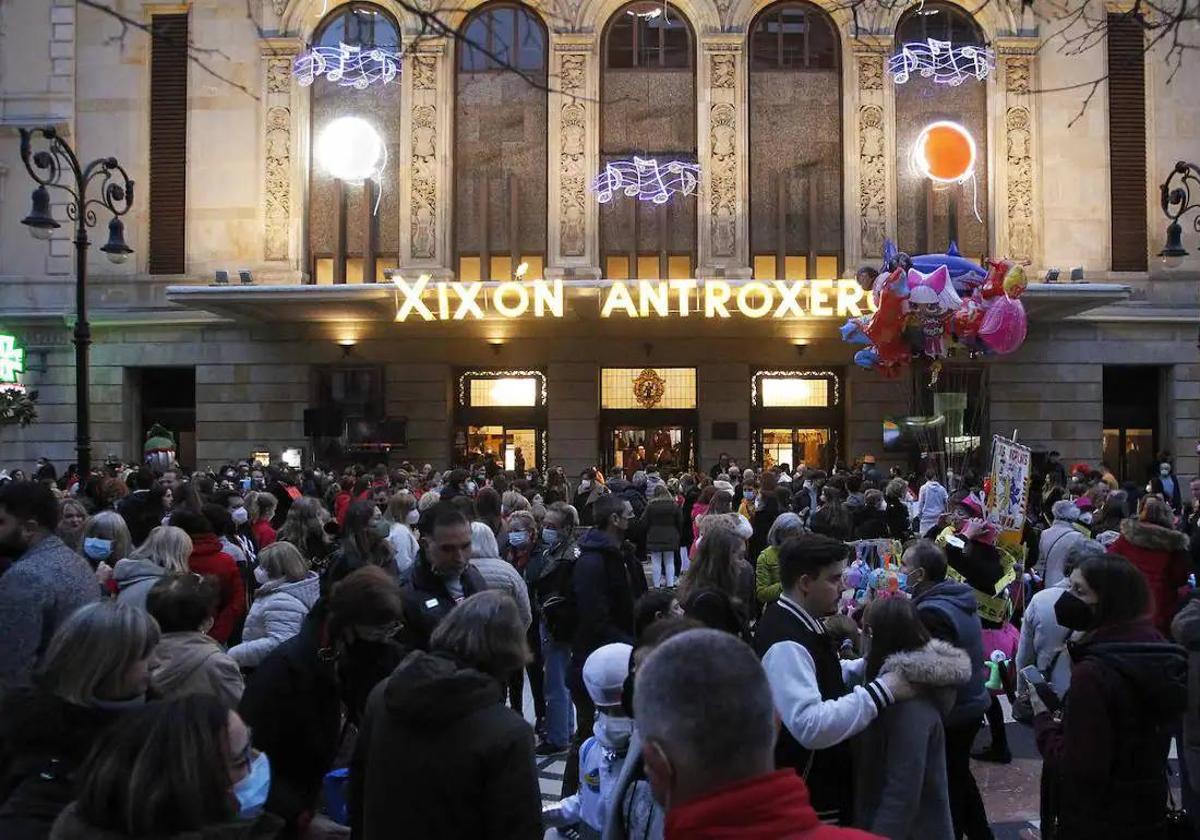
(1176, 197)
(57, 167)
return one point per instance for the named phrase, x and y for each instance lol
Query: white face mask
(240, 516)
(260, 575)
(412, 517)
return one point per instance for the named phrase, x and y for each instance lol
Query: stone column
(283, 166)
(426, 146)
(722, 209)
(574, 131)
(873, 139)
(1018, 235)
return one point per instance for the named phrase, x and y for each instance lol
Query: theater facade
(596, 232)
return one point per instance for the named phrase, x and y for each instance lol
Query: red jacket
(263, 533)
(341, 502)
(774, 806)
(208, 558)
(1161, 554)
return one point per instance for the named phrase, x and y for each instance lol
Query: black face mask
(1073, 613)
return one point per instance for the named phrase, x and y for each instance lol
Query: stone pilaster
(873, 141)
(425, 151)
(1017, 233)
(282, 165)
(574, 155)
(723, 203)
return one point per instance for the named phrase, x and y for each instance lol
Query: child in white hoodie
(601, 756)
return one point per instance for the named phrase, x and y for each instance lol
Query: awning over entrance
(821, 307)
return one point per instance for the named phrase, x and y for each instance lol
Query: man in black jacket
(442, 575)
(606, 582)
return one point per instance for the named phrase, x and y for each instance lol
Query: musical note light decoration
(941, 61)
(646, 180)
(348, 65)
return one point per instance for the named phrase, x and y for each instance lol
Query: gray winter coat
(275, 616)
(1186, 630)
(1053, 547)
(135, 579)
(900, 760)
(46, 584)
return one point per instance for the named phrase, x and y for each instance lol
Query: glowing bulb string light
(941, 61)
(348, 65)
(945, 153)
(646, 180)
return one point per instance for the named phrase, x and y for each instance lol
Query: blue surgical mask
(518, 538)
(96, 548)
(549, 536)
(251, 792)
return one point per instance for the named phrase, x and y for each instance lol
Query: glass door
(634, 448)
(1130, 452)
(795, 446)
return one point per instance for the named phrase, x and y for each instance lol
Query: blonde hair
(428, 499)
(400, 505)
(262, 505)
(167, 546)
(513, 501)
(109, 525)
(522, 520)
(712, 522)
(92, 652)
(283, 560)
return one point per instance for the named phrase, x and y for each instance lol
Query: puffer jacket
(135, 579)
(661, 521)
(275, 616)
(1161, 554)
(193, 663)
(900, 761)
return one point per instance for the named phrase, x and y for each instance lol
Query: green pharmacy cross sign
(12, 360)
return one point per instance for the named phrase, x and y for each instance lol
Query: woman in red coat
(209, 559)
(1160, 553)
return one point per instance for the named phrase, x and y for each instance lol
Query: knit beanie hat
(605, 671)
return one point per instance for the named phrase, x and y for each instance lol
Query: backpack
(555, 597)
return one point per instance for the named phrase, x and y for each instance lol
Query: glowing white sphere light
(350, 149)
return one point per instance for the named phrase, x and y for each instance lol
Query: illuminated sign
(12, 362)
(449, 300)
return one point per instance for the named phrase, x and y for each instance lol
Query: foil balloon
(1015, 282)
(1004, 325)
(965, 274)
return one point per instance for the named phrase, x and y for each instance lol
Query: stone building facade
(254, 358)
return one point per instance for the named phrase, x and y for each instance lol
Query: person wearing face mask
(949, 611)
(105, 541)
(591, 487)
(500, 575)
(241, 534)
(46, 583)
(189, 661)
(287, 590)
(363, 542)
(402, 517)
(139, 782)
(1107, 747)
(294, 699)
(1165, 483)
(94, 672)
(607, 580)
(602, 756)
(442, 575)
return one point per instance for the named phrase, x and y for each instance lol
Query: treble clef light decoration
(646, 180)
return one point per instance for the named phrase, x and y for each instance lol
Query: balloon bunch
(862, 584)
(922, 314)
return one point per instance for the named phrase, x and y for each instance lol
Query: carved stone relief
(722, 166)
(279, 75)
(571, 157)
(278, 182)
(1018, 153)
(872, 156)
(423, 196)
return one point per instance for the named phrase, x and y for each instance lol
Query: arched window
(500, 144)
(354, 227)
(648, 110)
(929, 214)
(795, 143)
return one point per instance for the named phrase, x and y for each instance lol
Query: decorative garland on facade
(759, 375)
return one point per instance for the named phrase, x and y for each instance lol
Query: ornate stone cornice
(279, 46)
(1016, 45)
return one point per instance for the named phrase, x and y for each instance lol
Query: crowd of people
(259, 652)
